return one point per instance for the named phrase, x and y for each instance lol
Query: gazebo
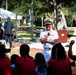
(5, 13)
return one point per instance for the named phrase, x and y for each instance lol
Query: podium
(62, 35)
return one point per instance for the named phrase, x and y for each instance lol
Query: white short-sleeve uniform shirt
(46, 46)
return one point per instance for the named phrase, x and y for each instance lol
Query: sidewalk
(34, 44)
(39, 45)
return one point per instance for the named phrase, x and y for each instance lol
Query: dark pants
(1, 34)
(8, 38)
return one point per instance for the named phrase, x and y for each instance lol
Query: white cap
(48, 19)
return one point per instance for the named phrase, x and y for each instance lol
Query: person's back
(59, 64)
(8, 26)
(41, 73)
(59, 67)
(25, 64)
(41, 67)
(13, 59)
(5, 64)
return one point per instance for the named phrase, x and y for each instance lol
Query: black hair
(58, 52)
(40, 62)
(13, 58)
(24, 50)
(2, 51)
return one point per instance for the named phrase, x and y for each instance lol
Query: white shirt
(54, 35)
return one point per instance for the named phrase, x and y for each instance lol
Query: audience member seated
(41, 67)
(25, 64)
(70, 53)
(5, 64)
(59, 64)
(13, 59)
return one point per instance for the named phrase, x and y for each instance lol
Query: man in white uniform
(48, 37)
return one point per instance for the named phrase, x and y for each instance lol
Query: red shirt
(5, 66)
(58, 67)
(25, 67)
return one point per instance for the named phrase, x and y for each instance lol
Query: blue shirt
(41, 73)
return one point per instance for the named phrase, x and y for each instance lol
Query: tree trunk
(60, 21)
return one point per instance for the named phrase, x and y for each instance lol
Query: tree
(42, 8)
(1, 3)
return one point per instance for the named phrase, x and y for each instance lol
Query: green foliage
(69, 8)
(2, 3)
(69, 20)
(41, 8)
(14, 22)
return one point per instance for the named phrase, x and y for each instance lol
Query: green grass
(26, 34)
